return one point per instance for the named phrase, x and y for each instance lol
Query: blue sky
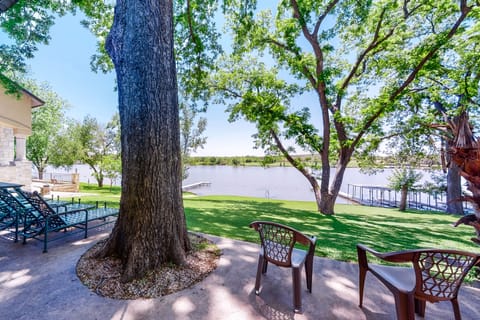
(65, 65)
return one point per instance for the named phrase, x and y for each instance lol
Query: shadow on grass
(337, 235)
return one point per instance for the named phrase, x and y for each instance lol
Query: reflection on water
(275, 183)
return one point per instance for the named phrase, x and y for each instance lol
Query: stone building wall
(7, 146)
(19, 172)
(15, 127)
(13, 170)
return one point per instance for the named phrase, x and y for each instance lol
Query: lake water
(276, 183)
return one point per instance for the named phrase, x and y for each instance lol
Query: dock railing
(195, 185)
(380, 196)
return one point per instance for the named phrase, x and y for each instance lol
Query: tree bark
(151, 227)
(299, 166)
(6, 4)
(40, 172)
(454, 190)
(99, 176)
(403, 198)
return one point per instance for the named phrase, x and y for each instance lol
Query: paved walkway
(41, 286)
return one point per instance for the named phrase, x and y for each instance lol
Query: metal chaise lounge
(51, 219)
(16, 212)
(7, 216)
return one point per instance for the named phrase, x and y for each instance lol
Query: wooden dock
(196, 185)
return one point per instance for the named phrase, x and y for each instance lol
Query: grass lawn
(92, 193)
(381, 228)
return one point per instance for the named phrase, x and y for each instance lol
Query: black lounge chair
(17, 212)
(7, 216)
(48, 219)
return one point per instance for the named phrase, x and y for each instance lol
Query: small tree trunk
(99, 180)
(97, 174)
(40, 170)
(403, 198)
(151, 227)
(316, 191)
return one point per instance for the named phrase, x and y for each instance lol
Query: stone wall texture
(19, 172)
(7, 146)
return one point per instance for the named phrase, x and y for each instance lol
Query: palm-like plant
(465, 152)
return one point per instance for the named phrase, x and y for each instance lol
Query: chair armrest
(254, 225)
(396, 256)
(313, 243)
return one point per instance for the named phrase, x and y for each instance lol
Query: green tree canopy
(357, 57)
(191, 133)
(94, 144)
(47, 122)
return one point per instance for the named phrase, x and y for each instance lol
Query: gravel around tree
(102, 276)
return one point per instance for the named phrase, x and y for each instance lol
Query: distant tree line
(237, 161)
(312, 161)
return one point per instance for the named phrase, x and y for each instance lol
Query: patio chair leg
(420, 307)
(265, 266)
(16, 227)
(309, 272)
(456, 309)
(45, 237)
(404, 305)
(362, 273)
(297, 293)
(259, 274)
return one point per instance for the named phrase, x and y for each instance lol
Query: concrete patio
(41, 286)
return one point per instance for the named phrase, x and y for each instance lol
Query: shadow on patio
(44, 286)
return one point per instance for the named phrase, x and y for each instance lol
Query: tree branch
(406, 12)
(320, 85)
(305, 70)
(465, 10)
(230, 91)
(373, 44)
(190, 23)
(285, 153)
(322, 17)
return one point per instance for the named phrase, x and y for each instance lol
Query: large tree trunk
(6, 4)
(151, 227)
(330, 193)
(454, 190)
